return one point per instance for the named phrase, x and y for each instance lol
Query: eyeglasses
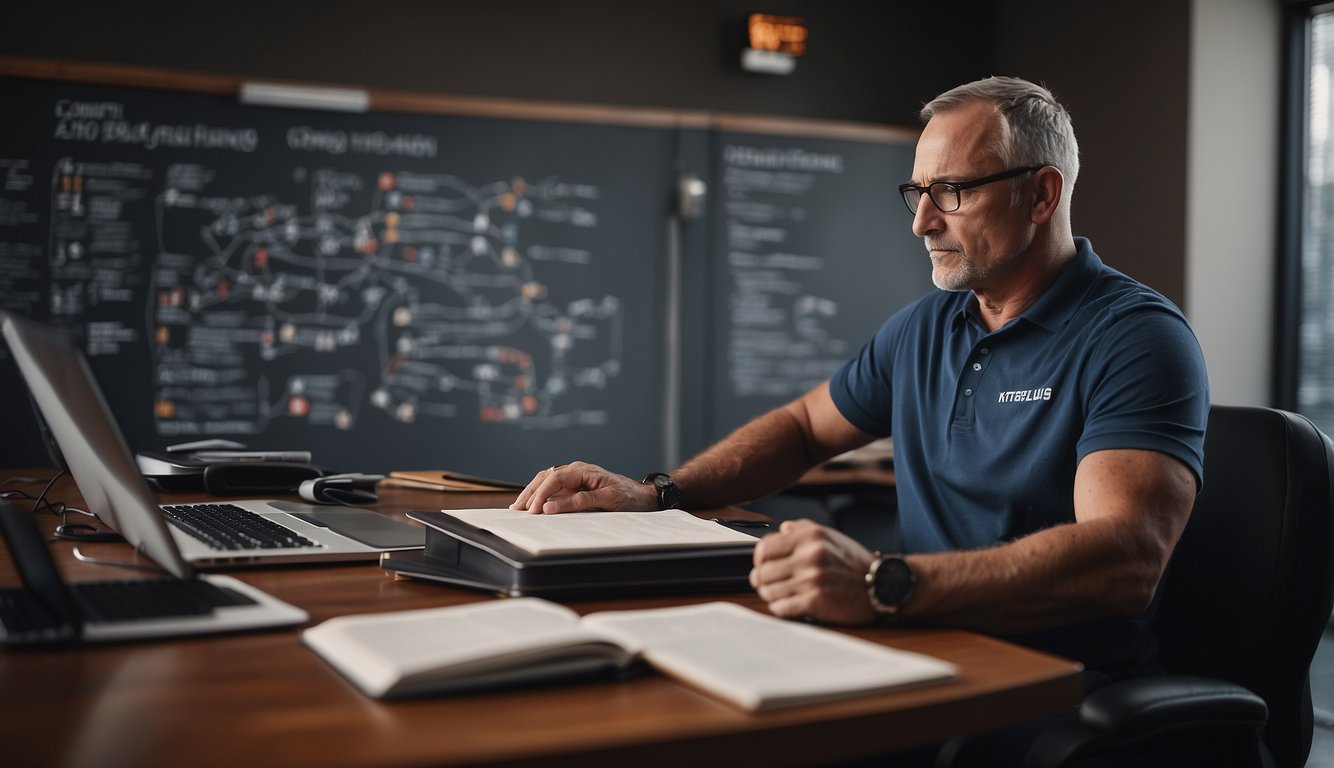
(945, 194)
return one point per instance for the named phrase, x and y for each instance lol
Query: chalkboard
(813, 250)
(390, 291)
(484, 291)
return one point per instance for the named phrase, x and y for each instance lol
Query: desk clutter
(226, 468)
(271, 698)
(748, 659)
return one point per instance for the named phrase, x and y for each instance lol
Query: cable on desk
(87, 532)
(38, 502)
(84, 532)
(66, 530)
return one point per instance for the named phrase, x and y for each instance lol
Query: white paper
(581, 532)
(758, 661)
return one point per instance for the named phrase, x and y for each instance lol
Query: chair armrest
(1152, 704)
(1125, 712)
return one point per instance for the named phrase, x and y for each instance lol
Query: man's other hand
(807, 570)
(583, 487)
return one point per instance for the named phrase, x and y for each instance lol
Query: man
(1047, 414)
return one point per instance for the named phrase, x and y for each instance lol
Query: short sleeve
(1146, 387)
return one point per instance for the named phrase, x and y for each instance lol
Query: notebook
(84, 439)
(46, 610)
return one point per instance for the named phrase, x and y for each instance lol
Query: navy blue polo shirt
(989, 427)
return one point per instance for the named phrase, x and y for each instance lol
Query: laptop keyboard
(227, 526)
(24, 616)
(111, 601)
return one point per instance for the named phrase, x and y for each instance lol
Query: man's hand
(806, 570)
(582, 487)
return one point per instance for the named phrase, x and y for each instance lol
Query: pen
(740, 523)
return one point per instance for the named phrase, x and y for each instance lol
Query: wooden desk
(264, 699)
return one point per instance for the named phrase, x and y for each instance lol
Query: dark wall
(1122, 68)
(1123, 71)
(868, 61)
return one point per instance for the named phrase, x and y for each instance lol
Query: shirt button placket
(972, 375)
(973, 378)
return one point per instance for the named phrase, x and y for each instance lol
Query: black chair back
(1251, 585)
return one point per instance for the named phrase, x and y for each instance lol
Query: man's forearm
(761, 458)
(1131, 505)
(1057, 576)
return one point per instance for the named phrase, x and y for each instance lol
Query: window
(1306, 382)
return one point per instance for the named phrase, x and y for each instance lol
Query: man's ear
(1048, 183)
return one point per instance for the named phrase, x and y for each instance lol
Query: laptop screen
(79, 420)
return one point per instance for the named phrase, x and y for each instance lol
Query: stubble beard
(966, 274)
(956, 278)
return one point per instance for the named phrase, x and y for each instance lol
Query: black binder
(461, 555)
(176, 473)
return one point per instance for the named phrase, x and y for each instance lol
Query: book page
(756, 661)
(582, 532)
(419, 650)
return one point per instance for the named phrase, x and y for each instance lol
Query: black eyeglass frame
(957, 187)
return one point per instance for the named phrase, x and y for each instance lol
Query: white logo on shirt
(1025, 395)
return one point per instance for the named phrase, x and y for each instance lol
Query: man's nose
(927, 218)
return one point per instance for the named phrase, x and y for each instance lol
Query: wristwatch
(889, 583)
(669, 496)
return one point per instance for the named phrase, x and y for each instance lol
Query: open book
(748, 659)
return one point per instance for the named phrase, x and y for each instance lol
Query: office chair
(1247, 596)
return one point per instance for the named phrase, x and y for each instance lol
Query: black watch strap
(669, 496)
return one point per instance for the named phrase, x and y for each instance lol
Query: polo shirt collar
(1058, 304)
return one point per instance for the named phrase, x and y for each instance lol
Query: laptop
(219, 534)
(47, 611)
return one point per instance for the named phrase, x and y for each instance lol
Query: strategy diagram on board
(423, 296)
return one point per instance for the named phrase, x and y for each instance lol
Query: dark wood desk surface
(835, 479)
(264, 699)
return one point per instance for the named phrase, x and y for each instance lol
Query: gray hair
(1034, 128)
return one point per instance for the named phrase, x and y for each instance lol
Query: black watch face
(893, 581)
(668, 495)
